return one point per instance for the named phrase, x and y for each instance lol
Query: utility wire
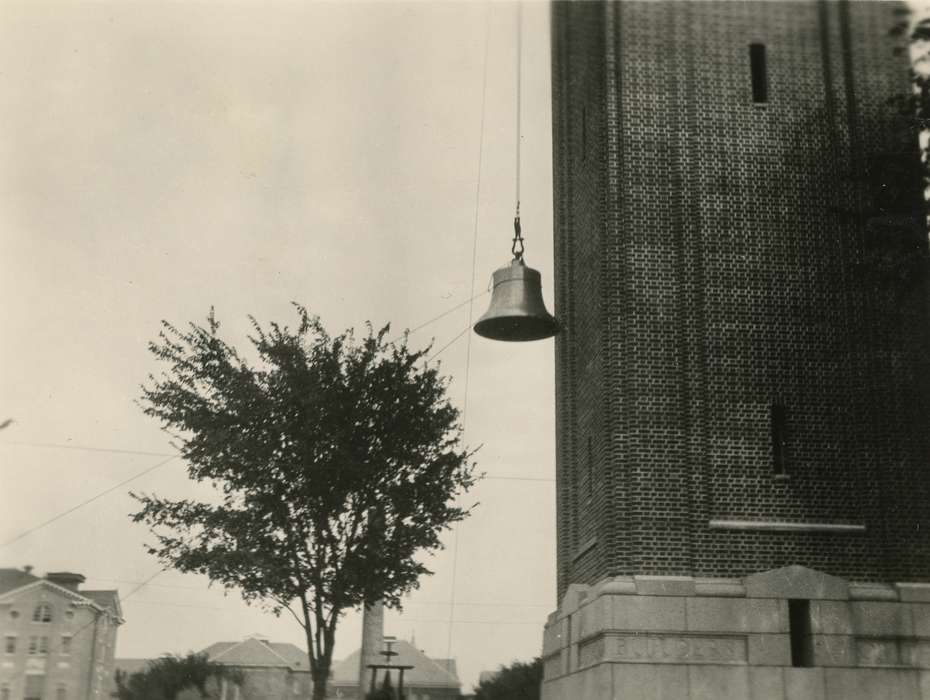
(406, 605)
(164, 454)
(443, 314)
(404, 619)
(89, 500)
(421, 603)
(124, 598)
(474, 258)
(447, 345)
(86, 448)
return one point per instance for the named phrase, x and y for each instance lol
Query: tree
(519, 681)
(167, 677)
(335, 462)
(915, 106)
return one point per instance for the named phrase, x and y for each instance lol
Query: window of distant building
(4, 692)
(61, 693)
(69, 614)
(14, 614)
(9, 645)
(35, 686)
(66, 644)
(38, 645)
(42, 613)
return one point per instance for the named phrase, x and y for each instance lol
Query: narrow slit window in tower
(779, 430)
(799, 627)
(590, 468)
(760, 80)
(584, 132)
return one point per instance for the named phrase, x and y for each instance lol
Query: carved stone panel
(675, 649)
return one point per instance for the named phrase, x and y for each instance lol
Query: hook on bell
(517, 311)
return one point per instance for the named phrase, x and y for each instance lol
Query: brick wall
(712, 261)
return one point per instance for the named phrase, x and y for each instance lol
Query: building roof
(425, 673)
(257, 651)
(108, 600)
(449, 665)
(11, 579)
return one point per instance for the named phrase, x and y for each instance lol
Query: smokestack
(372, 640)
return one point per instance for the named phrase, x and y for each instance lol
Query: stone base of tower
(790, 633)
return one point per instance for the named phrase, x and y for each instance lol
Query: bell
(517, 311)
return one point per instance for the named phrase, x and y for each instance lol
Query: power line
(443, 314)
(520, 478)
(492, 604)
(404, 618)
(447, 345)
(89, 500)
(124, 598)
(493, 623)
(163, 454)
(86, 448)
(474, 259)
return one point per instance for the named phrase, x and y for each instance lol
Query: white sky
(159, 158)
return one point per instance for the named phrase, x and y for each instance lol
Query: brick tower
(743, 399)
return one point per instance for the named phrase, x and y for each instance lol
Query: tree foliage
(916, 42)
(165, 678)
(335, 461)
(519, 681)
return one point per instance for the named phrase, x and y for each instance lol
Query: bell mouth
(517, 328)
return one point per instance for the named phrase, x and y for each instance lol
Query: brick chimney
(65, 579)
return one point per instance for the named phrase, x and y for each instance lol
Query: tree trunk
(320, 679)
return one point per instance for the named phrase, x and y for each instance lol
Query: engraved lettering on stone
(916, 653)
(832, 648)
(591, 652)
(668, 649)
(876, 652)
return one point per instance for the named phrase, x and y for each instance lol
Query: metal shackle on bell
(517, 311)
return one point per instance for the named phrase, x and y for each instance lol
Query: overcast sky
(160, 158)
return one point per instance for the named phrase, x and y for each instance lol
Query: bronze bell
(517, 311)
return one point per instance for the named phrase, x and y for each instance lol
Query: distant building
(429, 679)
(270, 670)
(281, 671)
(58, 640)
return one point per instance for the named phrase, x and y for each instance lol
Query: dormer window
(42, 613)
